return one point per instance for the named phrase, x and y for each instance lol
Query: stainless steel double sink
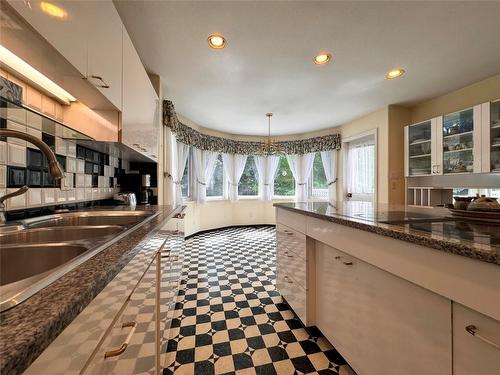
(36, 252)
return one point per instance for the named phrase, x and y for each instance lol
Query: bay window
(318, 185)
(249, 181)
(215, 188)
(284, 183)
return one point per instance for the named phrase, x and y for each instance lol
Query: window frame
(284, 197)
(310, 183)
(224, 195)
(191, 177)
(259, 192)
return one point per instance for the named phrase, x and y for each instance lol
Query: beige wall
(477, 93)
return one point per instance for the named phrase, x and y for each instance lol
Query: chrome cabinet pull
(473, 330)
(103, 84)
(288, 280)
(123, 347)
(288, 232)
(288, 254)
(345, 262)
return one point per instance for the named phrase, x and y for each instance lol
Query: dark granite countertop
(28, 328)
(435, 228)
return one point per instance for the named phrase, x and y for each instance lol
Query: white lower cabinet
(380, 323)
(476, 343)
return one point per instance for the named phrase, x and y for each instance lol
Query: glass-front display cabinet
(419, 149)
(461, 134)
(494, 130)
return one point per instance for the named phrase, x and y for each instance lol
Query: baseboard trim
(228, 227)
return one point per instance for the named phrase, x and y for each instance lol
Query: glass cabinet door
(495, 136)
(458, 142)
(419, 149)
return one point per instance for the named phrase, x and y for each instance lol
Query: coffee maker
(146, 192)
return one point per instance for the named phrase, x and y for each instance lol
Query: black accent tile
(203, 339)
(266, 328)
(185, 356)
(267, 369)
(256, 342)
(188, 330)
(236, 334)
(50, 140)
(241, 361)
(62, 161)
(95, 180)
(287, 336)
(204, 318)
(222, 349)
(34, 159)
(310, 347)
(34, 178)
(189, 312)
(219, 325)
(204, 368)
(277, 353)
(303, 364)
(231, 314)
(334, 356)
(80, 152)
(248, 320)
(16, 177)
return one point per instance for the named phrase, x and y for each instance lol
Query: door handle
(473, 330)
(345, 262)
(123, 347)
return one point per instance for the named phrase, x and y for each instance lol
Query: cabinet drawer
(293, 293)
(293, 264)
(472, 355)
(292, 240)
(291, 220)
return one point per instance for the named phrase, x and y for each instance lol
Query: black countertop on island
(28, 328)
(434, 228)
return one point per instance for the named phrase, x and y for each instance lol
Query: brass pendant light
(268, 146)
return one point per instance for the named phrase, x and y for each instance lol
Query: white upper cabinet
(89, 37)
(462, 142)
(423, 148)
(490, 140)
(140, 104)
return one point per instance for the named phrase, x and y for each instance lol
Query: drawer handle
(288, 280)
(103, 84)
(345, 262)
(288, 232)
(123, 347)
(473, 330)
(288, 255)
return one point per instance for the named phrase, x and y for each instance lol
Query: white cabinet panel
(140, 104)
(471, 355)
(381, 324)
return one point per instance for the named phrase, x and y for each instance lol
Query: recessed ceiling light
(53, 10)
(322, 58)
(395, 73)
(216, 41)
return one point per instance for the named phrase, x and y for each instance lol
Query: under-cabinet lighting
(26, 70)
(53, 10)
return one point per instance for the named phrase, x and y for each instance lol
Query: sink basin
(58, 234)
(126, 218)
(21, 261)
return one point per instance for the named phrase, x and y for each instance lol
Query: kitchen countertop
(28, 328)
(476, 240)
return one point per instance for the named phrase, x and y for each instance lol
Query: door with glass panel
(360, 170)
(461, 135)
(419, 149)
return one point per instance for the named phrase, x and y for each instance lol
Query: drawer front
(291, 219)
(293, 240)
(293, 292)
(472, 355)
(293, 264)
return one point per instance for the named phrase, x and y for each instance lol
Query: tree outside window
(216, 186)
(249, 182)
(319, 185)
(185, 181)
(284, 183)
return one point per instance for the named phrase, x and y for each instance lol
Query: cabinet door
(471, 354)
(437, 145)
(105, 51)
(381, 324)
(140, 129)
(490, 133)
(420, 149)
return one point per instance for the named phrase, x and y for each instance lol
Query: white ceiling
(267, 64)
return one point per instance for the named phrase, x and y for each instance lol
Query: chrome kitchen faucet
(55, 169)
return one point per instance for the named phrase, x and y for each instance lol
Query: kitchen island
(396, 291)
(30, 327)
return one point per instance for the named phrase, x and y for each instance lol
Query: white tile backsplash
(61, 146)
(17, 202)
(34, 197)
(36, 133)
(3, 176)
(68, 180)
(16, 155)
(48, 196)
(60, 195)
(70, 165)
(88, 180)
(17, 114)
(80, 166)
(3, 152)
(80, 193)
(71, 148)
(71, 195)
(17, 127)
(80, 180)
(33, 120)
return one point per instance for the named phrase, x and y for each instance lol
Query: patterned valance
(190, 136)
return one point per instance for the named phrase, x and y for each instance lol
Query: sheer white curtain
(233, 167)
(204, 165)
(180, 158)
(266, 168)
(329, 159)
(301, 166)
(361, 174)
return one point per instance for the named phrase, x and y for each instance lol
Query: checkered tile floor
(230, 319)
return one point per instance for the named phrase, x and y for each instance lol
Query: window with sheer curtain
(361, 170)
(249, 181)
(215, 188)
